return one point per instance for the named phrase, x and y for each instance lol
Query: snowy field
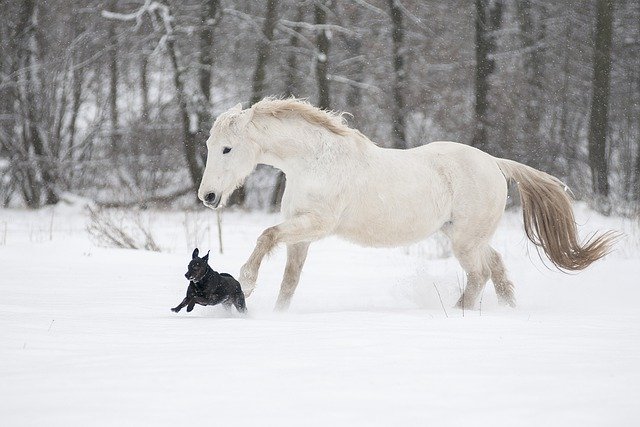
(87, 337)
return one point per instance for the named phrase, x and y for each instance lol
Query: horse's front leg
(296, 256)
(298, 229)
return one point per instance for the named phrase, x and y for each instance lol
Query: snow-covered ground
(87, 338)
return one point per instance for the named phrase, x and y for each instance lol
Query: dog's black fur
(208, 287)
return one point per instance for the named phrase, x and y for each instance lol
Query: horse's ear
(238, 107)
(243, 118)
(195, 253)
(206, 257)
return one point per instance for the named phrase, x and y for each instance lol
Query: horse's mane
(331, 120)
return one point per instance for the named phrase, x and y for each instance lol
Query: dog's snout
(210, 197)
(186, 275)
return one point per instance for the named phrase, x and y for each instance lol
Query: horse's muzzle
(212, 200)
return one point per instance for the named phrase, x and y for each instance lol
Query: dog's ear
(206, 257)
(195, 253)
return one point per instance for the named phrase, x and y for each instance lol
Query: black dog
(208, 287)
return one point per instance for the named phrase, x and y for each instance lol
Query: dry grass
(120, 229)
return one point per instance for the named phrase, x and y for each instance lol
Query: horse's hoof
(281, 306)
(511, 302)
(464, 305)
(247, 280)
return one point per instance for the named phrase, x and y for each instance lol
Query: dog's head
(197, 266)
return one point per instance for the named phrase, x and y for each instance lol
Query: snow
(87, 338)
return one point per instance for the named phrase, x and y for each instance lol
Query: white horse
(340, 183)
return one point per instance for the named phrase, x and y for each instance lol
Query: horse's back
(472, 168)
(457, 183)
(403, 196)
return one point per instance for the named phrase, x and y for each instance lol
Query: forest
(113, 100)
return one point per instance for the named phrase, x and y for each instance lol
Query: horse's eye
(225, 150)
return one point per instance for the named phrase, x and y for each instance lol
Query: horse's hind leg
(296, 256)
(476, 211)
(504, 287)
(473, 260)
(470, 244)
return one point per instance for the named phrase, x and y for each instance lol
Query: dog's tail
(549, 221)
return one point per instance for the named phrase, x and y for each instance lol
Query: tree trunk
(488, 20)
(264, 48)
(34, 138)
(636, 172)
(292, 84)
(209, 15)
(532, 35)
(322, 58)
(636, 182)
(600, 99)
(188, 138)
(77, 79)
(113, 79)
(144, 86)
(210, 11)
(292, 87)
(399, 73)
(353, 43)
(26, 175)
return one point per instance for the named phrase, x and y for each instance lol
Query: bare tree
(39, 172)
(264, 48)
(292, 81)
(209, 14)
(530, 17)
(598, 122)
(488, 20)
(144, 86)
(353, 45)
(399, 76)
(112, 40)
(322, 57)
(161, 14)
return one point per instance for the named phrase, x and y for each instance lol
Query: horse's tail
(549, 221)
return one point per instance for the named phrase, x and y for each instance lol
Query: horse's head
(231, 156)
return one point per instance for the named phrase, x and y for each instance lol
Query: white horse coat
(340, 183)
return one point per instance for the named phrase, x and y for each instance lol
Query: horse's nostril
(210, 197)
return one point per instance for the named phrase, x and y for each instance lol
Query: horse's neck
(288, 146)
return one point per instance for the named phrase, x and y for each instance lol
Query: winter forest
(113, 100)
(419, 298)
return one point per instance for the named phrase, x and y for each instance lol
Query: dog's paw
(175, 310)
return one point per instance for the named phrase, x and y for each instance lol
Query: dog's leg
(192, 304)
(301, 228)
(181, 305)
(239, 303)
